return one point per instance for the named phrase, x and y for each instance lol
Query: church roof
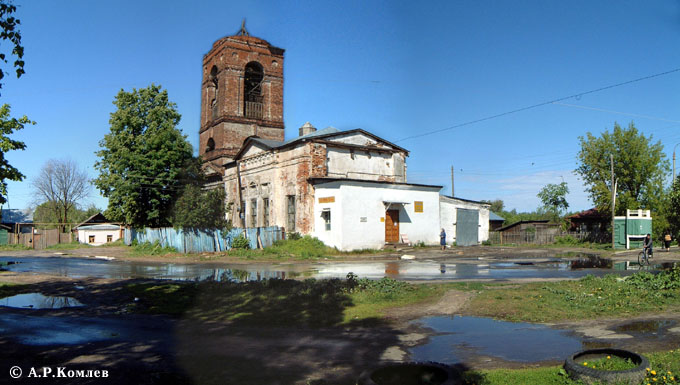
(326, 133)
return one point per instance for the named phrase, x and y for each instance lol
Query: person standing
(442, 239)
(667, 241)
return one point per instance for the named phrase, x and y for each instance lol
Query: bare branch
(62, 183)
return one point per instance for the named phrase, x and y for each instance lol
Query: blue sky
(395, 68)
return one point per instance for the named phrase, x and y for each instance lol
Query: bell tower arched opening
(252, 90)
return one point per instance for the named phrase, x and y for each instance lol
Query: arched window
(213, 86)
(253, 90)
(210, 145)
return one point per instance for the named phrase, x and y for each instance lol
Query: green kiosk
(630, 231)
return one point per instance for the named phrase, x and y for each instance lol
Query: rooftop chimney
(307, 128)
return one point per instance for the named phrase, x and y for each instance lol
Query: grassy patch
(371, 298)
(302, 248)
(163, 298)
(14, 247)
(69, 246)
(587, 298)
(147, 248)
(275, 302)
(664, 365)
(608, 363)
(10, 289)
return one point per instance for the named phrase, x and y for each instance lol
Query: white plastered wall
(99, 236)
(358, 213)
(448, 215)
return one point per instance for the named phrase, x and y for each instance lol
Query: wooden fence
(543, 238)
(39, 238)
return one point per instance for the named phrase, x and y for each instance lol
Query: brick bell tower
(241, 95)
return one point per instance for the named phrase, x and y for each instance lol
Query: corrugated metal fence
(197, 241)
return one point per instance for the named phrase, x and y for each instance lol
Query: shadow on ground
(269, 332)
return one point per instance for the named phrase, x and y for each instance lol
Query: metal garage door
(467, 227)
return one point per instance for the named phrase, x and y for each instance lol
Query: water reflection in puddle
(460, 337)
(655, 327)
(402, 269)
(49, 330)
(38, 301)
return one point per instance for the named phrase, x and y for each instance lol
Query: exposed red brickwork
(319, 167)
(222, 106)
(386, 178)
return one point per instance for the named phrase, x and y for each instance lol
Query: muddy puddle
(457, 338)
(466, 339)
(54, 330)
(39, 301)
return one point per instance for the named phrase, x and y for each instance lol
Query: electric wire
(578, 95)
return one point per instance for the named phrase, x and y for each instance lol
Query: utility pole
(673, 179)
(452, 195)
(611, 158)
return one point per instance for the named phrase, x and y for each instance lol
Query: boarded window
(265, 212)
(290, 218)
(418, 206)
(109, 238)
(253, 213)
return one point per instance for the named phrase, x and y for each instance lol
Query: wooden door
(392, 226)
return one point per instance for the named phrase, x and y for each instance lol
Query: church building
(347, 188)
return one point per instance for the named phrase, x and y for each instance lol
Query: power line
(617, 112)
(578, 95)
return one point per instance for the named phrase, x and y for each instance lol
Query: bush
(240, 242)
(305, 247)
(566, 240)
(293, 236)
(148, 248)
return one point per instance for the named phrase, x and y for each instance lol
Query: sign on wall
(327, 200)
(418, 206)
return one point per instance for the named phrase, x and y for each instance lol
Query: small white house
(355, 214)
(97, 230)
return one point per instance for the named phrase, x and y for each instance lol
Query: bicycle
(643, 257)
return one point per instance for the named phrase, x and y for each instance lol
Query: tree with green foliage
(496, 205)
(143, 158)
(9, 125)
(640, 167)
(47, 216)
(9, 31)
(554, 199)
(200, 209)
(674, 209)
